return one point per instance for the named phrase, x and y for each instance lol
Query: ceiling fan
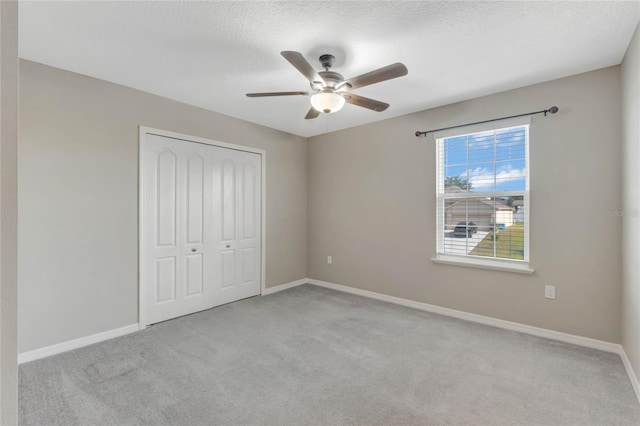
(330, 90)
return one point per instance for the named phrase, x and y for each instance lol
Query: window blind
(483, 194)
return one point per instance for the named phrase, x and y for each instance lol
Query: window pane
(510, 242)
(482, 177)
(481, 148)
(485, 246)
(455, 151)
(467, 222)
(511, 175)
(455, 179)
(455, 240)
(505, 239)
(480, 212)
(510, 144)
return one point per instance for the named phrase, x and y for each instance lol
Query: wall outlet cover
(550, 291)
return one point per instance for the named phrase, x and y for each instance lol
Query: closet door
(239, 216)
(178, 235)
(201, 226)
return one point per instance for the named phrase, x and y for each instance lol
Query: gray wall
(371, 192)
(78, 197)
(8, 211)
(631, 185)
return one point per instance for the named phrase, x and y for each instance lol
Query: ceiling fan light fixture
(327, 101)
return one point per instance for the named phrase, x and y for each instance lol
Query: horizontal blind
(483, 194)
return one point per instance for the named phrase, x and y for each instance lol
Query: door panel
(194, 274)
(229, 200)
(166, 199)
(248, 265)
(249, 201)
(165, 279)
(195, 199)
(228, 268)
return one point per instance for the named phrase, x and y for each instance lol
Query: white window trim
(497, 264)
(505, 265)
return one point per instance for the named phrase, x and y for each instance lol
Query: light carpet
(313, 356)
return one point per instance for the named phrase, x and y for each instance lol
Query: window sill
(484, 264)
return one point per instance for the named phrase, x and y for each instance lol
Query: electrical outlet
(329, 260)
(550, 291)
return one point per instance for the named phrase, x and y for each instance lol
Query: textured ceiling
(210, 54)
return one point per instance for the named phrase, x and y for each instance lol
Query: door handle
(228, 245)
(193, 250)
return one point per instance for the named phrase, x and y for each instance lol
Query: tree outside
(458, 181)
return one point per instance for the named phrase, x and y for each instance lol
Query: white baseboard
(495, 322)
(277, 288)
(632, 375)
(110, 334)
(508, 325)
(76, 343)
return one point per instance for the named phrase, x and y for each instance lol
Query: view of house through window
(483, 194)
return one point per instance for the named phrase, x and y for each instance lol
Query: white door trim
(143, 132)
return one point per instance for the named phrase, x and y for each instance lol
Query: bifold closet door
(201, 230)
(238, 218)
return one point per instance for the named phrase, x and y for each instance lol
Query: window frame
(494, 263)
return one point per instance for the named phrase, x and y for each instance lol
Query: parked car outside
(465, 229)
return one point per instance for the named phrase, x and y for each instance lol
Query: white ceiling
(210, 54)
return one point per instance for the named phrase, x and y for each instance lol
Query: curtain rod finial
(553, 109)
(418, 133)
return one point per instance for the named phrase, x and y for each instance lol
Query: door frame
(143, 133)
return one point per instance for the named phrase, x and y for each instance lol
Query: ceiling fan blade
(361, 101)
(300, 63)
(313, 113)
(261, 95)
(381, 74)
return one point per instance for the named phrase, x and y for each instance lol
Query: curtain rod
(551, 110)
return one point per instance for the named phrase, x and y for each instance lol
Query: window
(483, 197)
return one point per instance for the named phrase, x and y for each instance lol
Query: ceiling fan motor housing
(331, 78)
(327, 61)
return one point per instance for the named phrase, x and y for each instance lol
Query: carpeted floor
(312, 356)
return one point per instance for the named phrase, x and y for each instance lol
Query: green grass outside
(509, 244)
